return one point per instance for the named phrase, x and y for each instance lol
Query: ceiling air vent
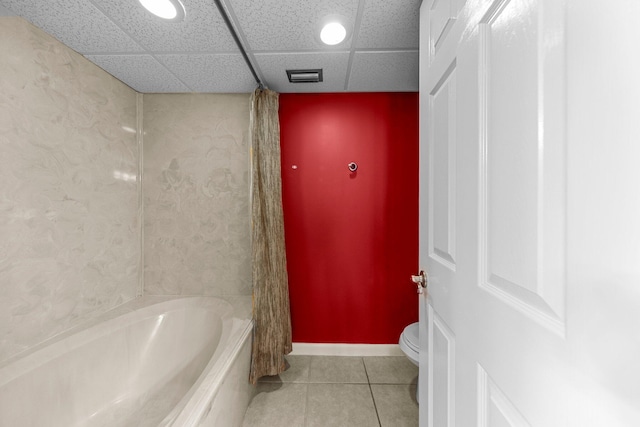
(305, 76)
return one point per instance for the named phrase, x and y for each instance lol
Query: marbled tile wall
(197, 226)
(69, 215)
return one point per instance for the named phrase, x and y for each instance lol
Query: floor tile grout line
(305, 421)
(373, 399)
(306, 407)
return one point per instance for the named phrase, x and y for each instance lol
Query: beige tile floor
(337, 391)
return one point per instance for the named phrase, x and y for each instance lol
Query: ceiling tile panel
(334, 66)
(5, 12)
(391, 24)
(384, 71)
(199, 53)
(203, 29)
(286, 25)
(222, 73)
(142, 72)
(76, 23)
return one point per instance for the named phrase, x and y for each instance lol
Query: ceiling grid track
(236, 38)
(354, 41)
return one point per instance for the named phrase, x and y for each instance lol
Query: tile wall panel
(197, 233)
(69, 215)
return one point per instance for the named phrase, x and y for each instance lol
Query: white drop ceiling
(199, 54)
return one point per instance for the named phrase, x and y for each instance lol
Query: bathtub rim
(196, 403)
(131, 312)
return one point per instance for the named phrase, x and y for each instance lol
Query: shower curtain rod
(238, 42)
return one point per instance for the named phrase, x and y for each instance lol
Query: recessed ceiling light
(171, 10)
(333, 33)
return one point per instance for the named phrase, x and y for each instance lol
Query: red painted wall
(352, 238)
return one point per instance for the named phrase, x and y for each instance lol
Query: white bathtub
(153, 361)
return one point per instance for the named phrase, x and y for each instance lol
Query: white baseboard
(323, 349)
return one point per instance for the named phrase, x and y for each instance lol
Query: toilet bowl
(410, 346)
(409, 343)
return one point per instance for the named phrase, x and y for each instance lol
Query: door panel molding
(522, 233)
(442, 170)
(442, 16)
(494, 408)
(442, 352)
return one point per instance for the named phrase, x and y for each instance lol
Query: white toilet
(410, 346)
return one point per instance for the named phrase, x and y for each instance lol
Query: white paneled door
(530, 213)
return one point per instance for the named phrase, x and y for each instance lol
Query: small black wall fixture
(238, 42)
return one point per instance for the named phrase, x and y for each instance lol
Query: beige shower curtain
(272, 318)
